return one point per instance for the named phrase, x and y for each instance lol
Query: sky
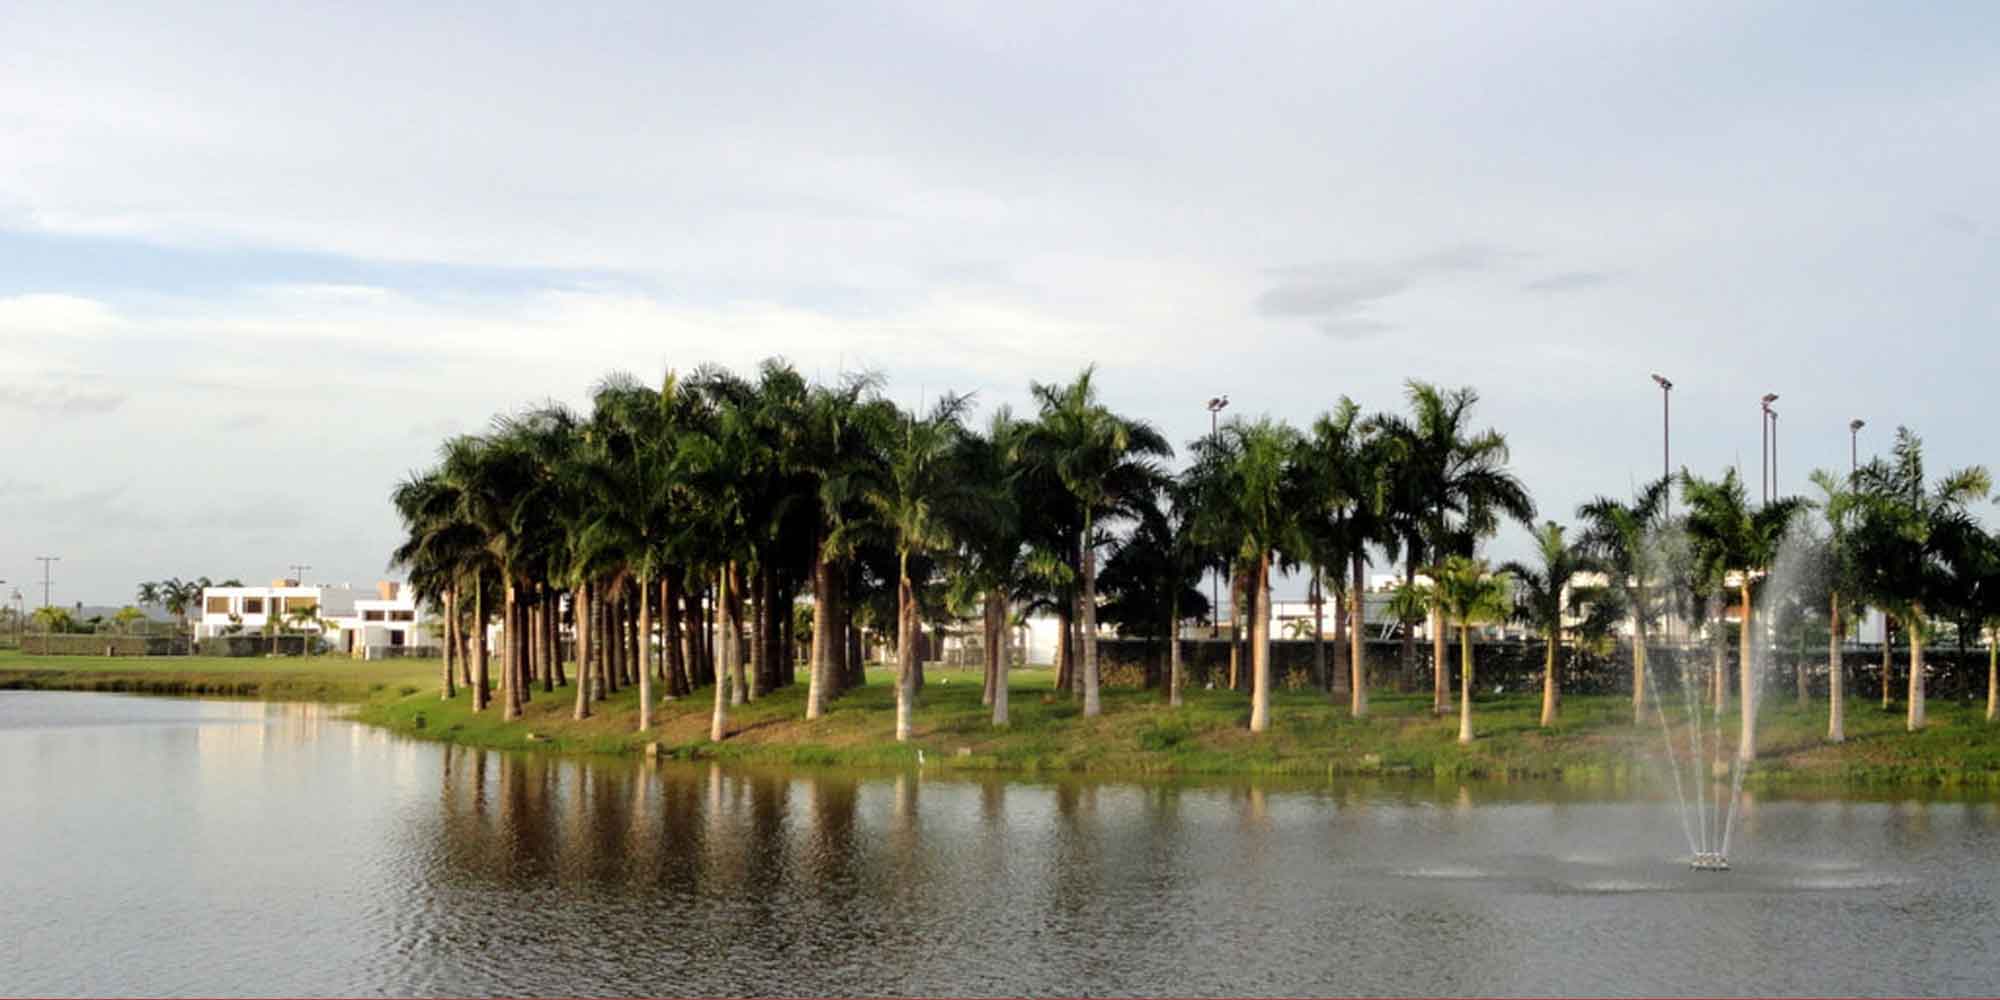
(257, 262)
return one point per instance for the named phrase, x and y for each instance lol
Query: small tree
(1469, 594)
(1539, 598)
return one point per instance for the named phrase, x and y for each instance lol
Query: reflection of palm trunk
(1836, 676)
(1916, 715)
(1357, 705)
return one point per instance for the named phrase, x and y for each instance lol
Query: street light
(1854, 449)
(1666, 433)
(1216, 405)
(46, 578)
(1765, 420)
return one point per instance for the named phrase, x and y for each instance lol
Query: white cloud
(55, 314)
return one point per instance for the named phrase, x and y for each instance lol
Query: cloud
(1568, 281)
(1334, 295)
(46, 313)
(61, 401)
(1354, 329)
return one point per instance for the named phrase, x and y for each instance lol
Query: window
(371, 616)
(402, 616)
(217, 606)
(396, 638)
(253, 605)
(295, 603)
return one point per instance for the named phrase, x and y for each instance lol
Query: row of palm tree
(670, 530)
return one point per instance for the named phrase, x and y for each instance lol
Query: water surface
(175, 847)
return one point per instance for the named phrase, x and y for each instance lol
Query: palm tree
(1247, 489)
(1468, 594)
(1622, 537)
(1734, 542)
(1342, 461)
(1149, 581)
(1911, 538)
(1838, 504)
(842, 427)
(911, 502)
(1542, 594)
(1447, 488)
(1103, 461)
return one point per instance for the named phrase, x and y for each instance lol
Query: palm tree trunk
(1065, 660)
(1464, 684)
(511, 665)
(1718, 677)
(1888, 662)
(1551, 685)
(1993, 676)
(482, 681)
(739, 689)
(1092, 702)
(1176, 671)
(1343, 670)
(1406, 663)
(450, 688)
(906, 648)
(645, 653)
(582, 604)
(820, 676)
(1260, 645)
(989, 637)
(1320, 678)
(1915, 720)
(719, 721)
(1639, 655)
(1836, 676)
(997, 601)
(545, 613)
(1746, 680)
(1357, 638)
(1238, 584)
(1440, 675)
(670, 636)
(760, 668)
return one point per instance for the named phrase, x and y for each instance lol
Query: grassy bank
(318, 678)
(1137, 734)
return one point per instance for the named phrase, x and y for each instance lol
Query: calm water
(160, 846)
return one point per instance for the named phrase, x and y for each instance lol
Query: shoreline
(1594, 744)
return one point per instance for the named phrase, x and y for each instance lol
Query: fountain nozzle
(1709, 861)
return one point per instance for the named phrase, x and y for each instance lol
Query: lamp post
(1854, 449)
(1215, 406)
(47, 580)
(1666, 430)
(1764, 424)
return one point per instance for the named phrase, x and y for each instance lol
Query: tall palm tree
(1342, 462)
(1838, 505)
(910, 502)
(1736, 543)
(1247, 488)
(1104, 461)
(1542, 595)
(1469, 594)
(1623, 536)
(842, 429)
(1448, 487)
(1911, 538)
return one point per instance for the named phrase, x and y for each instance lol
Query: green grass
(319, 678)
(1594, 743)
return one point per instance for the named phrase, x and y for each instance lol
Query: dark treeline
(664, 539)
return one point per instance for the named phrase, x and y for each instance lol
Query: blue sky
(255, 263)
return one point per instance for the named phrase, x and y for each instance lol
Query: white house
(366, 627)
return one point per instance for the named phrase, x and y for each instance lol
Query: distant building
(364, 624)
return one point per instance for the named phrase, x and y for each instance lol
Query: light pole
(1764, 424)
(1215, 406)
(1666, 429)
(47, 580)
(1854, 449)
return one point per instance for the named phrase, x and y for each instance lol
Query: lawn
(1138, 733)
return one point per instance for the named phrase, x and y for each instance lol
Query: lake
(158, 846)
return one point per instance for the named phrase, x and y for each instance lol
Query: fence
(87, 644)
